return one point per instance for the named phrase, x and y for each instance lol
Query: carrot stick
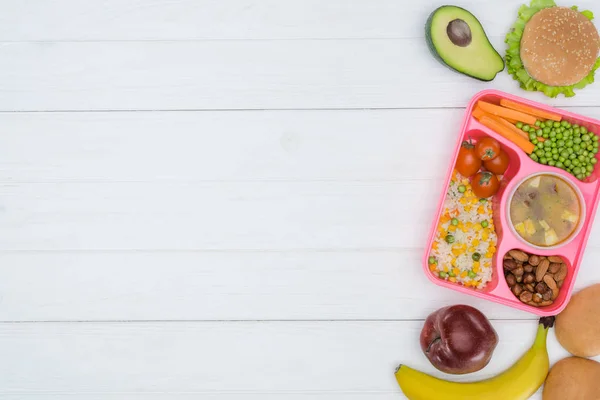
(478, 113)
(510, 126)
(506, 113)
(513, 105)
(508, 134)
(541, 139)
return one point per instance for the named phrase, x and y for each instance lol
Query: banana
(519, 382)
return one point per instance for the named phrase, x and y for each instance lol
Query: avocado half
(457, 39)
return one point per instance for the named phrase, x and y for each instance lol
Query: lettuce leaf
(513, 54)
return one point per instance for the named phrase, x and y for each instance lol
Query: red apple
(458, 339)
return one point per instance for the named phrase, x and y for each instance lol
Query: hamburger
(553, 49)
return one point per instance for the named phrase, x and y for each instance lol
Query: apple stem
(437, 339)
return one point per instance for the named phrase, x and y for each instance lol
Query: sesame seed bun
(559, 46)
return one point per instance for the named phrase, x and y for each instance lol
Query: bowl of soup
(546, 210)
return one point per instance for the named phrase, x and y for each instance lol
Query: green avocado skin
(438, 56)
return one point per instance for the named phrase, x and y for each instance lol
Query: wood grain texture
(232, 285)
(39, 20)
(322, 360)
(299, 74)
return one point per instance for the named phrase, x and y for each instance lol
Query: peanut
(534, 260)
(519, 255)
(528, 278)
(554, 267)
(510, 264)
(517, 289)
(511, 280)
(541, 270)
(548, 280)
(528, 268)
(562, 273)
(526, 297)
(555, 259)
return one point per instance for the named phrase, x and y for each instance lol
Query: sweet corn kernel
(471, 249)
(480, 210)
(452, 228)
(475, 242)
(452, 279)
(474, 201)
(477, 228)
(446, 268)
(462, 201)
(463, 274)
(465, 182)
(489, 255)
(468, 208)
(434, 246)
(469, 225)
(476, 268)
(485, 236)
(433, 267)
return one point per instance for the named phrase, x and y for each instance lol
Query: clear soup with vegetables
(545, 210)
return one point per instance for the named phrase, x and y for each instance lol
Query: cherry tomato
(487, 148)
(485, 184)
(467, 163)
(498, 165)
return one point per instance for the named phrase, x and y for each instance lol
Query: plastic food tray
(520, 168)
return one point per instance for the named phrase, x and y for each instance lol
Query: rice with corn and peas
(465, 239)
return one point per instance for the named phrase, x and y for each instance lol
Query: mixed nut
(535, 280)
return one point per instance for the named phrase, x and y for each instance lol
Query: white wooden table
(229, 199)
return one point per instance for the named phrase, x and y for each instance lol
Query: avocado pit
(459, 33)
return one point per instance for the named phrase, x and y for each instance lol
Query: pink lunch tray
(521, 167)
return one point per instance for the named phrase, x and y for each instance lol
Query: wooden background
(229, 199)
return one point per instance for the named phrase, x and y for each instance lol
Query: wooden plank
(215, 216)
(299, 74)
(37, 20)
(218, 216)
(321, 360)
(385, 145)
(233, 285)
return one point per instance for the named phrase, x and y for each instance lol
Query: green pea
(559, 164)
(569, 143)
(432, 260)
(449, 239)
(595, 138)
(519, 125)
(576, 130)
(581, 158)
(462, 188)
(570, 131)
(555, 151)
(577, 140)
(535, 141)
(472, 275)
(570, 150)
(540, 152)
(567, 163)
(588, 174)
(557, 124)
(595, 145)
(526, 128)
(484, 223)
(546, 130)
(555, 157)
(590, 168)
(538, 123)
(454, 222)
(547, 143)
(576, 170)
(586, 138)
(532, 136)
(534, 157)
(559, 136)
(584, 130)
(543, 160)
(476, 256)
(595, 151)
(553, 145)
(552, 163)
(546, 135)
(562, 159)
(564, 123)
(580, 177)
(590, 147)
(586, 153)
(443, 275)
(593, 161)
(575, 126)
(539, 145)
(451, 274)
(576, 147)
(552, 134)
(576, 162)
